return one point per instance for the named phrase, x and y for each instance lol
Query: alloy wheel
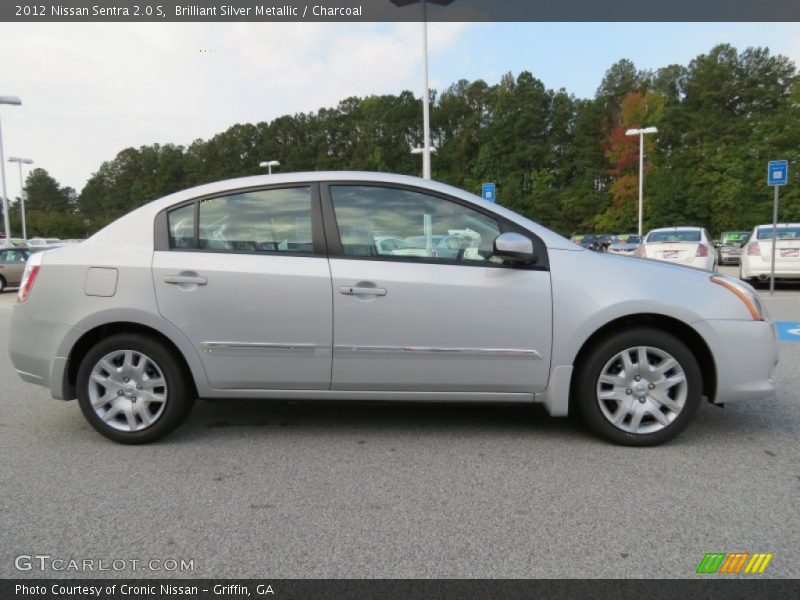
(642, 390)
(127, 390)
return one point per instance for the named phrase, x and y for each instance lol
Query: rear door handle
(367, 291)
(196, 280)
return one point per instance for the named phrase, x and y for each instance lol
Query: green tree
(44, 194)
(561, 160)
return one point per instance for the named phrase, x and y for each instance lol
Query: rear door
(245, 277)
(427, 322)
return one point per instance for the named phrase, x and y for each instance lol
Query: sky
(89, 90)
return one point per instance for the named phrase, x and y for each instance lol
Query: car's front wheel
(132, 389)
(639, 387)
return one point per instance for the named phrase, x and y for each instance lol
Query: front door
(436, 311)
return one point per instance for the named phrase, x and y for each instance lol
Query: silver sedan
(274, 287)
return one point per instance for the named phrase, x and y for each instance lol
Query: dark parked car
(588, 241)
(604, 240)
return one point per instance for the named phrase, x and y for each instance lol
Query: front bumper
(746, 354)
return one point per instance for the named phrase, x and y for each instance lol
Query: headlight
(744, 292)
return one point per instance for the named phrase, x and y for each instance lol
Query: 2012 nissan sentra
(274, 287)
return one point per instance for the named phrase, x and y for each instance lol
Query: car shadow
(382, 417)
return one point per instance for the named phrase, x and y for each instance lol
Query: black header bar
(388, 11)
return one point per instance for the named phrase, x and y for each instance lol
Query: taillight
(28, 279)
(752, 249)
(702, 250)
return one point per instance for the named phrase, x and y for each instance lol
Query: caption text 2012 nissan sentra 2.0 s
(366, 286)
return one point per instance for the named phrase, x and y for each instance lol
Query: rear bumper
(756, 266)
(33, 347)
(729, 258)
(694, 262)
(746, 354)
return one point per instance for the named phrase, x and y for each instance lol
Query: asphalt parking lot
(284, 490)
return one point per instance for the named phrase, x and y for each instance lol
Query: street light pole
(426, 111)
(421, 150)
(641, 133)
(20, 162)
(269, 164)
(14, 101)
(426, 119)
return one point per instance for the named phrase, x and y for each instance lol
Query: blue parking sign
(777, 172)
(488, 192)
(788, 331)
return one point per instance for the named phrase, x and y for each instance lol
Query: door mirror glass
(514, 247)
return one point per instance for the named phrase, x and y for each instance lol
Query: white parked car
(756, 256)
(38, 244)
(689, 246)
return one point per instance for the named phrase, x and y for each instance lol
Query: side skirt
(374, 396)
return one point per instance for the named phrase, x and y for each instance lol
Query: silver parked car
(729, 246)
(12, 265)
(273, 287)
(625, 244)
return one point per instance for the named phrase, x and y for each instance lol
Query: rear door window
(261, 221)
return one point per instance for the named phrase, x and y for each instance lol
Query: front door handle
(367, 291)
(196, 280)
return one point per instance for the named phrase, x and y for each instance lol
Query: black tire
(180, 394)
(587, 379)
(749, 280)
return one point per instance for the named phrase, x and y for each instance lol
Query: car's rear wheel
(755, 282)
(639, 387)
(132, 389)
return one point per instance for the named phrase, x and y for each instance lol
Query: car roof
(682, 228)
(778, 225)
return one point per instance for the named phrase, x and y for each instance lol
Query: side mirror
(514, 247)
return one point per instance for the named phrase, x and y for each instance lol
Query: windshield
(783, 233)
(689, 235)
